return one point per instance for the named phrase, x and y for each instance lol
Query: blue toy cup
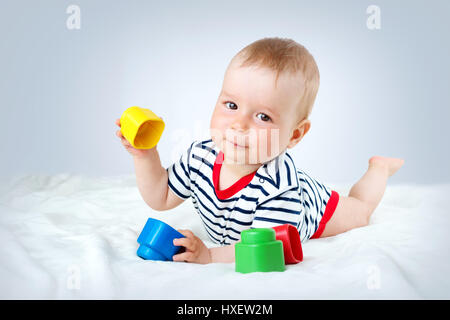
(156, 241)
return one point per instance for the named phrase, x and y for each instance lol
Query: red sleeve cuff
(329, 210)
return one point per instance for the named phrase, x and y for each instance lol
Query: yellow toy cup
(141, 127)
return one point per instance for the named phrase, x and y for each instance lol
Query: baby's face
(253, 121)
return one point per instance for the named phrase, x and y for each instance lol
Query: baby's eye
(263, 117)
(231, 105)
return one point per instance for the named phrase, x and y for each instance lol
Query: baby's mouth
(235, 144)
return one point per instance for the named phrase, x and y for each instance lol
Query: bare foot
(390, 164)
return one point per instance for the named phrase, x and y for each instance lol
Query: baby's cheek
(267, 143)
(216, 128)
(217, 137)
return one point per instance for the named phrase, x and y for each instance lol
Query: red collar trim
(233, 189)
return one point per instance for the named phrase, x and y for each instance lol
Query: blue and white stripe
(278, 194)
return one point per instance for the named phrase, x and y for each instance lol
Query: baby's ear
(306, 124)
(299, 132)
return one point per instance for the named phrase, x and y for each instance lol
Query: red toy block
(292, 247)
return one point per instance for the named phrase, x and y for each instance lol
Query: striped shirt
(277, 193)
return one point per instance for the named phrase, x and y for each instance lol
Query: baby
(243, 177)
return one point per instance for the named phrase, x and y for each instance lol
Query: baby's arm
(152, 181)
(223, 254)
(151, 177)
(197, 252)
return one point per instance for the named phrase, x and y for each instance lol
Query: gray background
(382, 91)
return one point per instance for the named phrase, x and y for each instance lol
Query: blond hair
(285, 55)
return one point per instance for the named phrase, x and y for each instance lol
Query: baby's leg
(355, 210)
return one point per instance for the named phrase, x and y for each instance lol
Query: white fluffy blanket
(74, 237)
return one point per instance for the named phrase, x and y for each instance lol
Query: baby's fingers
(123, 140)
(185, 256)
(119, 134)
(185, 242)
(186, 233)
(118, 122)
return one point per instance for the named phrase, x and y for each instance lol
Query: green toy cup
(259, 251)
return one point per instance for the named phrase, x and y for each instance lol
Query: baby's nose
(241, 124)
(237, 128)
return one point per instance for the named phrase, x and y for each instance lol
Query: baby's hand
(196, 251)
(139, 153)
